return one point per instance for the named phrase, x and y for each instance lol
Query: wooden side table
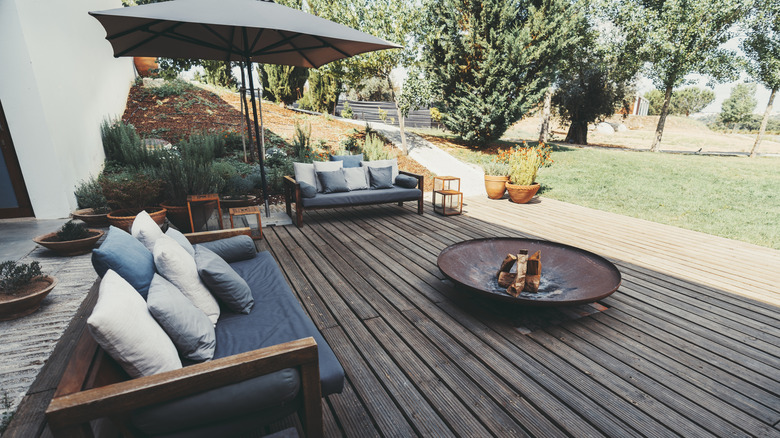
(451, 198)
(244, 211)
(200, 199)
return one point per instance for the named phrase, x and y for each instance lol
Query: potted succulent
(73, 238)
(130, 193)
(93, 207)
(22, 289)
(496, 177)
(524, 164)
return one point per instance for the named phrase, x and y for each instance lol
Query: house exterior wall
(58, 81)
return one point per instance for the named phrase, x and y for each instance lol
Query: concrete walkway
(472, 181)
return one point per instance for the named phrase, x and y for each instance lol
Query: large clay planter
(521, 194)
(144, 65)
(69, 247)
(238, 201)
(178, 215)
(25, 303)
(124, 218)
(88, 216)
(495, 186)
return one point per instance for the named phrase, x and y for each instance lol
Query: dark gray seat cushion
(395, 194)
(276, 317)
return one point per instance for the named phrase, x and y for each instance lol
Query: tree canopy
(684, 102)
(738, 107)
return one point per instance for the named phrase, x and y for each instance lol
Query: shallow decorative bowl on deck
(569, 275)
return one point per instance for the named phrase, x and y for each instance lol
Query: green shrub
(496, 168)
(203, 148)
(374, 149)
(237, 186)
(123, 146)
(346, 112)
(132, 190)
(89, 194)
(275, 157)
(182, 176)
(14, 276)
(72, 230)
(302, 143)
(174, 87)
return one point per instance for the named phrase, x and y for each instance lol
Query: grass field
(733, 197)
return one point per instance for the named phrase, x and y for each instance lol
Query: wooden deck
(689, 345)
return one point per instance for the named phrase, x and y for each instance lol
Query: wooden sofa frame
(93, 385)
(292, 193)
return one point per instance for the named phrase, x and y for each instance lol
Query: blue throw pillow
(406, 181)
(348, 160)
(126, 256)
(232, 249)
(307, 190)
(223, 282)
(380, 177)
(333, 182)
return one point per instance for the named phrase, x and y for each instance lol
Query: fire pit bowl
(570, 275)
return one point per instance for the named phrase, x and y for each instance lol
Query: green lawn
(732, 197)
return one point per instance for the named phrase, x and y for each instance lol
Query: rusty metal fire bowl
(570, 275)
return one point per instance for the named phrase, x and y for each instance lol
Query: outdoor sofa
(267, 363)
(347, 180)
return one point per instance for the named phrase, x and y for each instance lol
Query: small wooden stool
(243, 211)
(204, 198)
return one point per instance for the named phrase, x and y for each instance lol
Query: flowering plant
(524, 162)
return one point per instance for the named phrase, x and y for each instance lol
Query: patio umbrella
(234, 30)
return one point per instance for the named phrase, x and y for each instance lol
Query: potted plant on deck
(524, 164)
(183, 176)
(73, 238)
(130, 193)
(93, 207)
(22, 289)
(496, 177)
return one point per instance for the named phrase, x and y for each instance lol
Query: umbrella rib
(248, 49)
(133, 29)
(346, 55)
(155, 34)
(216, 34)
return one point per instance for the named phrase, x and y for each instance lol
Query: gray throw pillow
(190, 329)
(324, 166)
(232, 249)
(181, 239)
(348, 160)
(304, 172)
(381, 177)
(356, 178)
(406, 181)
(308, 190)
(223, 282)
(333, 182)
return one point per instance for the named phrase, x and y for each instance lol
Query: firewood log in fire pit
(527, 276)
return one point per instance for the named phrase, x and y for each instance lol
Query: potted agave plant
(93, 207)
(73, 238)
(496, 177)
(524, 164)
(22, 289)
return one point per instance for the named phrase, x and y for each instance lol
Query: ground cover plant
(731, 197)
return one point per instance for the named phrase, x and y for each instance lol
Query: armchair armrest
(292, 193)
(420, 185)
(209, 236)
(69, 413)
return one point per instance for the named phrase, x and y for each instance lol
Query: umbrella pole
(245, 110)
(257, 135)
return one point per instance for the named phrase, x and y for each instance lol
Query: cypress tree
(491, 60)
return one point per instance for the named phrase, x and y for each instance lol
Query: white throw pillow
(124, 328)
(177, 266)
(304, 172)
(146, 230)
(380, 163)
(325, 166)
(356, 178)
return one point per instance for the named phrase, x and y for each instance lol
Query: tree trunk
(659, 130)
(545, 128)
(578, 133)
(763, 123)
(404, 149)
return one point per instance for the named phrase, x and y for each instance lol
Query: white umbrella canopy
(234, 30)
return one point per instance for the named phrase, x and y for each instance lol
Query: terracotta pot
(237, 201)
(178, 215)
(495, 186)
(16, 306)
(124, 218)
(69, 247)
(90, 218)
(144, 65)
(521, 194)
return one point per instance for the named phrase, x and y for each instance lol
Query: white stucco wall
(58, 81)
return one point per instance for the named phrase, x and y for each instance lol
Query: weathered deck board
(687, 346)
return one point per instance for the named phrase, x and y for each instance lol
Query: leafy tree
(678, 37)
(593, 82)
(655, 99)
(691, 100)
(492, 60)
(762, 47)
(323, 92)
(738, 107)
(372, 89)
(283, 83)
